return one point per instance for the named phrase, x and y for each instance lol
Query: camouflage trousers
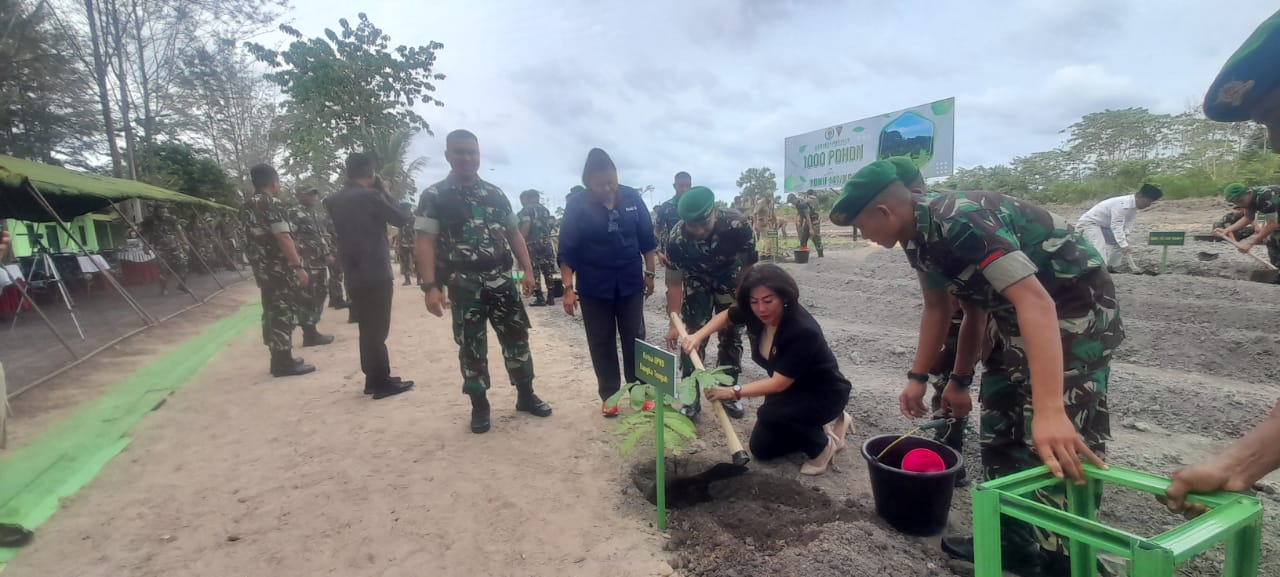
(544, 268)
(311, 305)
(1005, 430)
(490, 298)
(810, 227)
(699, 306)
(177, 259)
(281, 309)
(407, 267)
(952, 436)
(1273, 249)
(336, 283)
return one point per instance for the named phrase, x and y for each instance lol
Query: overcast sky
(714, 86)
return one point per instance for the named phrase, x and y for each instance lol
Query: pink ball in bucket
(923, 461)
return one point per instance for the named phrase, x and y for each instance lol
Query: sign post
(657, 368)
(1166, 240)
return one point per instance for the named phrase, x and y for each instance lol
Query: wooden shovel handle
(730, 436)
(1233, 242)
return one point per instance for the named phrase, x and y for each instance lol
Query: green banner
(1167, 238)
(656, 367)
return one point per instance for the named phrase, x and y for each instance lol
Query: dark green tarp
(72, 193)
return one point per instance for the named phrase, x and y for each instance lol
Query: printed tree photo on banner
(827, 158)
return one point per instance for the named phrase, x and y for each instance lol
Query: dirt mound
(762, 524)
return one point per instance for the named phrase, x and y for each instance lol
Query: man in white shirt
(1109, 223)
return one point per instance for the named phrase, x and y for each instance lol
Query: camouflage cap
(865, 185)
(1248, 77)
(1234, 191)
(696, 203)
(907, 169)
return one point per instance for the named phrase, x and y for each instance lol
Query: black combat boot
(284, 365)
(818, 245)
(479, 413)
(530, 403)
(538, 301)
(312, 337)
(338, 303)
(551, 299)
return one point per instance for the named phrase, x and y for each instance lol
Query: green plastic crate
(1234, 518)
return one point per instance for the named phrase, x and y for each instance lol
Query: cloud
(713, 87)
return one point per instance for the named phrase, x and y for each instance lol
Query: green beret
(696, 203)
(907, 169)
(1234, 191)
(861, 189)
(1248, 76)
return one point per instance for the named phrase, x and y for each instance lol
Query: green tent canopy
(72, 193)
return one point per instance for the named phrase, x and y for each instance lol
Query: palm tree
(390, 152)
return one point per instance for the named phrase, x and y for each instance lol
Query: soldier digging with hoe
(466, 234)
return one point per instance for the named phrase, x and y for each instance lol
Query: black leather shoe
(369, 388)
(1026, 562)
(734, 409)
(533, 405)
(479, 414)
(338, 304)
(12, 535)
(391, 389)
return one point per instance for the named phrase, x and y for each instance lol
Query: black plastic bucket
(913, 503)
(802, 256)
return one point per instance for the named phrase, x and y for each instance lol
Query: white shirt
(1118, 214)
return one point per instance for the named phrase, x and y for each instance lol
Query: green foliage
(642, 425)
(177, 167)
(758, 182)
(345, 84)
(1115, 151)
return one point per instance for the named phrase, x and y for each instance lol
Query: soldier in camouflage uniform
(337, 294)
(1261, 204)
(537, 225)
(316, 253)
(164, 234)
(404, 252)
(764, 221)
(1005, 256)
(666, 215)
(277, 268)
(808, 221)
(1229, 219)
(467, 233)
(709, 250)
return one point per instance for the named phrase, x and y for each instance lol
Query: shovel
(740, 456)
(1270, 275)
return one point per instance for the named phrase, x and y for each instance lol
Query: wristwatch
(917, 377)
(962, 381)
(650, 274)
(737, 392)
(427, 286)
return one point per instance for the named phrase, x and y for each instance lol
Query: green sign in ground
(1167, 238)
(656, 367)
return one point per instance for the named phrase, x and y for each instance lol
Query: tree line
(176, 93)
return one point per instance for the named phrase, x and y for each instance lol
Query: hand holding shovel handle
(740, 456)
(1233, 242)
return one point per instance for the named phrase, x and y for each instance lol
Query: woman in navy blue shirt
(607, 243)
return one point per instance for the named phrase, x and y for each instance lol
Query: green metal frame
(1233, 518)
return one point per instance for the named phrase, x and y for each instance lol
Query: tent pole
(44, 202)
(146, 244)
(195, 219)
(27, 297)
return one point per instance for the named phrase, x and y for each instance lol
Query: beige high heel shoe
(818, 465)
(840, 428)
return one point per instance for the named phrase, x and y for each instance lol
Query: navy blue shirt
(360, 217)
(605, 247)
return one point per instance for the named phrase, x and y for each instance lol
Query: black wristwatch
(962, 381)
(650, 274)
(917, 377)
(427, 286)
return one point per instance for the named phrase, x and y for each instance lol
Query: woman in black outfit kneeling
(804, 394)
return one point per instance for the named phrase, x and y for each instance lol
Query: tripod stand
(51, 273)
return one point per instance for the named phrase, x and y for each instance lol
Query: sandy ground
(242, 474)
(308, 476)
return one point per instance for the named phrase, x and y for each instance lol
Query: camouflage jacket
(541, 224)
(714, 263)
(806, 205)
(977, 244)
(262, 217)
(162, 232)
(309, 235)
(666, 215)
(404, 237)
(1265, 206)
(471, 222)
